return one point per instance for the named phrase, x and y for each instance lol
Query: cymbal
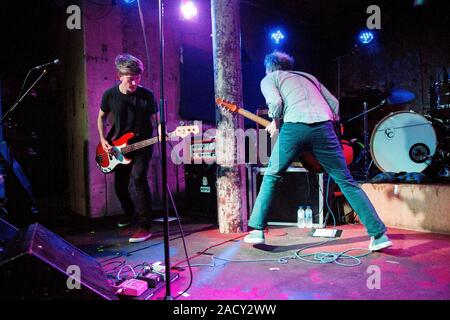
(400, 96)
(393, 96)
(366, 92)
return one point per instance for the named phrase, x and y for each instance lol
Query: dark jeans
(135, 172)
(320, 138)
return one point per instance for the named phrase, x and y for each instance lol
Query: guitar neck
(254, 117)
(139, 145)
(142, 144)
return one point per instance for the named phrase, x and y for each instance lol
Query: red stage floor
(416, 267)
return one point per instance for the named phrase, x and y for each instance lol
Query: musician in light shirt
(308, 111)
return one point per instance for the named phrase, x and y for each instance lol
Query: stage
(415, 267)
(220, 110)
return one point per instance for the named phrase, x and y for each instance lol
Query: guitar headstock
(184, 131)
(227, 104)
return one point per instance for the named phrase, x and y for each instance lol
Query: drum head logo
(389, 133)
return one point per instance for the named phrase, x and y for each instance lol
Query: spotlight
(277, 37)
(128, 1)
(188, 10)
(366, 37)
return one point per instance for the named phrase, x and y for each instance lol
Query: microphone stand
(163, 122)
(22, 96)
(12, 166)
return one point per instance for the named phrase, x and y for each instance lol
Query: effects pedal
(131, 287)
(159, 269)
(152, 279)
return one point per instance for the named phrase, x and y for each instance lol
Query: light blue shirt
(296, 99)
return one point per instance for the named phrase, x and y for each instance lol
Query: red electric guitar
(308, 159)
(108, 161)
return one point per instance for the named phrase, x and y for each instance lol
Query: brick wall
(108, 31)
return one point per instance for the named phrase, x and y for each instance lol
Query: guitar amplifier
(203, 151)
(298, 187)
(200, 192)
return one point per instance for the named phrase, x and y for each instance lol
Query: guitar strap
(335, 123)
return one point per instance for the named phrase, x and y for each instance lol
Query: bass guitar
(107, 161)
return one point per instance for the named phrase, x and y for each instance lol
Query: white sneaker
(255, 237)
(380, 243)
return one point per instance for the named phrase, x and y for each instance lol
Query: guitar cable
(321, 257)
(106, 196)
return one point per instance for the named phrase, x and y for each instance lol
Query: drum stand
(365, 150)
(366, 141)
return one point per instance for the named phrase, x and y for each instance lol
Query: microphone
(56, 61)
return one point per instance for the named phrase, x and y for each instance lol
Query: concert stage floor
(416, 267)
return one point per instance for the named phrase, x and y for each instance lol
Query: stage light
(128, 1)
(418, 3)
(366, 37)
(189, 10)
(277, 37)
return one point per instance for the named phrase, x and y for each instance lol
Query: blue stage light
(366, 37)
(277, 37)
(128, 1)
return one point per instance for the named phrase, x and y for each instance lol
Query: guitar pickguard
(108, 162)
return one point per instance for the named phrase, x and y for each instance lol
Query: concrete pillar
(231, 184)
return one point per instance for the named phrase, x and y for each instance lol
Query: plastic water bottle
(301, 217)
(308, 217)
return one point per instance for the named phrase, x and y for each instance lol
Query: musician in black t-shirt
(133, 109)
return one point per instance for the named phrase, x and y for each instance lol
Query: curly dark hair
(278, 60)
(128, 64)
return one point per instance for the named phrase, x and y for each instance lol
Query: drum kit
(403, 140)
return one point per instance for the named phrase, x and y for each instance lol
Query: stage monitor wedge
(36, 264)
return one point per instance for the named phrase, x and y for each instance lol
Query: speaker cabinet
(298, 187)
(201, 195)
(7, 230)
(37, 264)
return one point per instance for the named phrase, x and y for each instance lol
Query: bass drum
(403, 141)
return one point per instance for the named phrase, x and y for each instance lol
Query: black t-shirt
(131, 112)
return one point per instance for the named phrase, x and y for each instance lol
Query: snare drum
(403, 141)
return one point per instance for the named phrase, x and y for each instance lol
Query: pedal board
(149, 292)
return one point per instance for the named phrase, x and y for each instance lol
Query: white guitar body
(115, 158)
